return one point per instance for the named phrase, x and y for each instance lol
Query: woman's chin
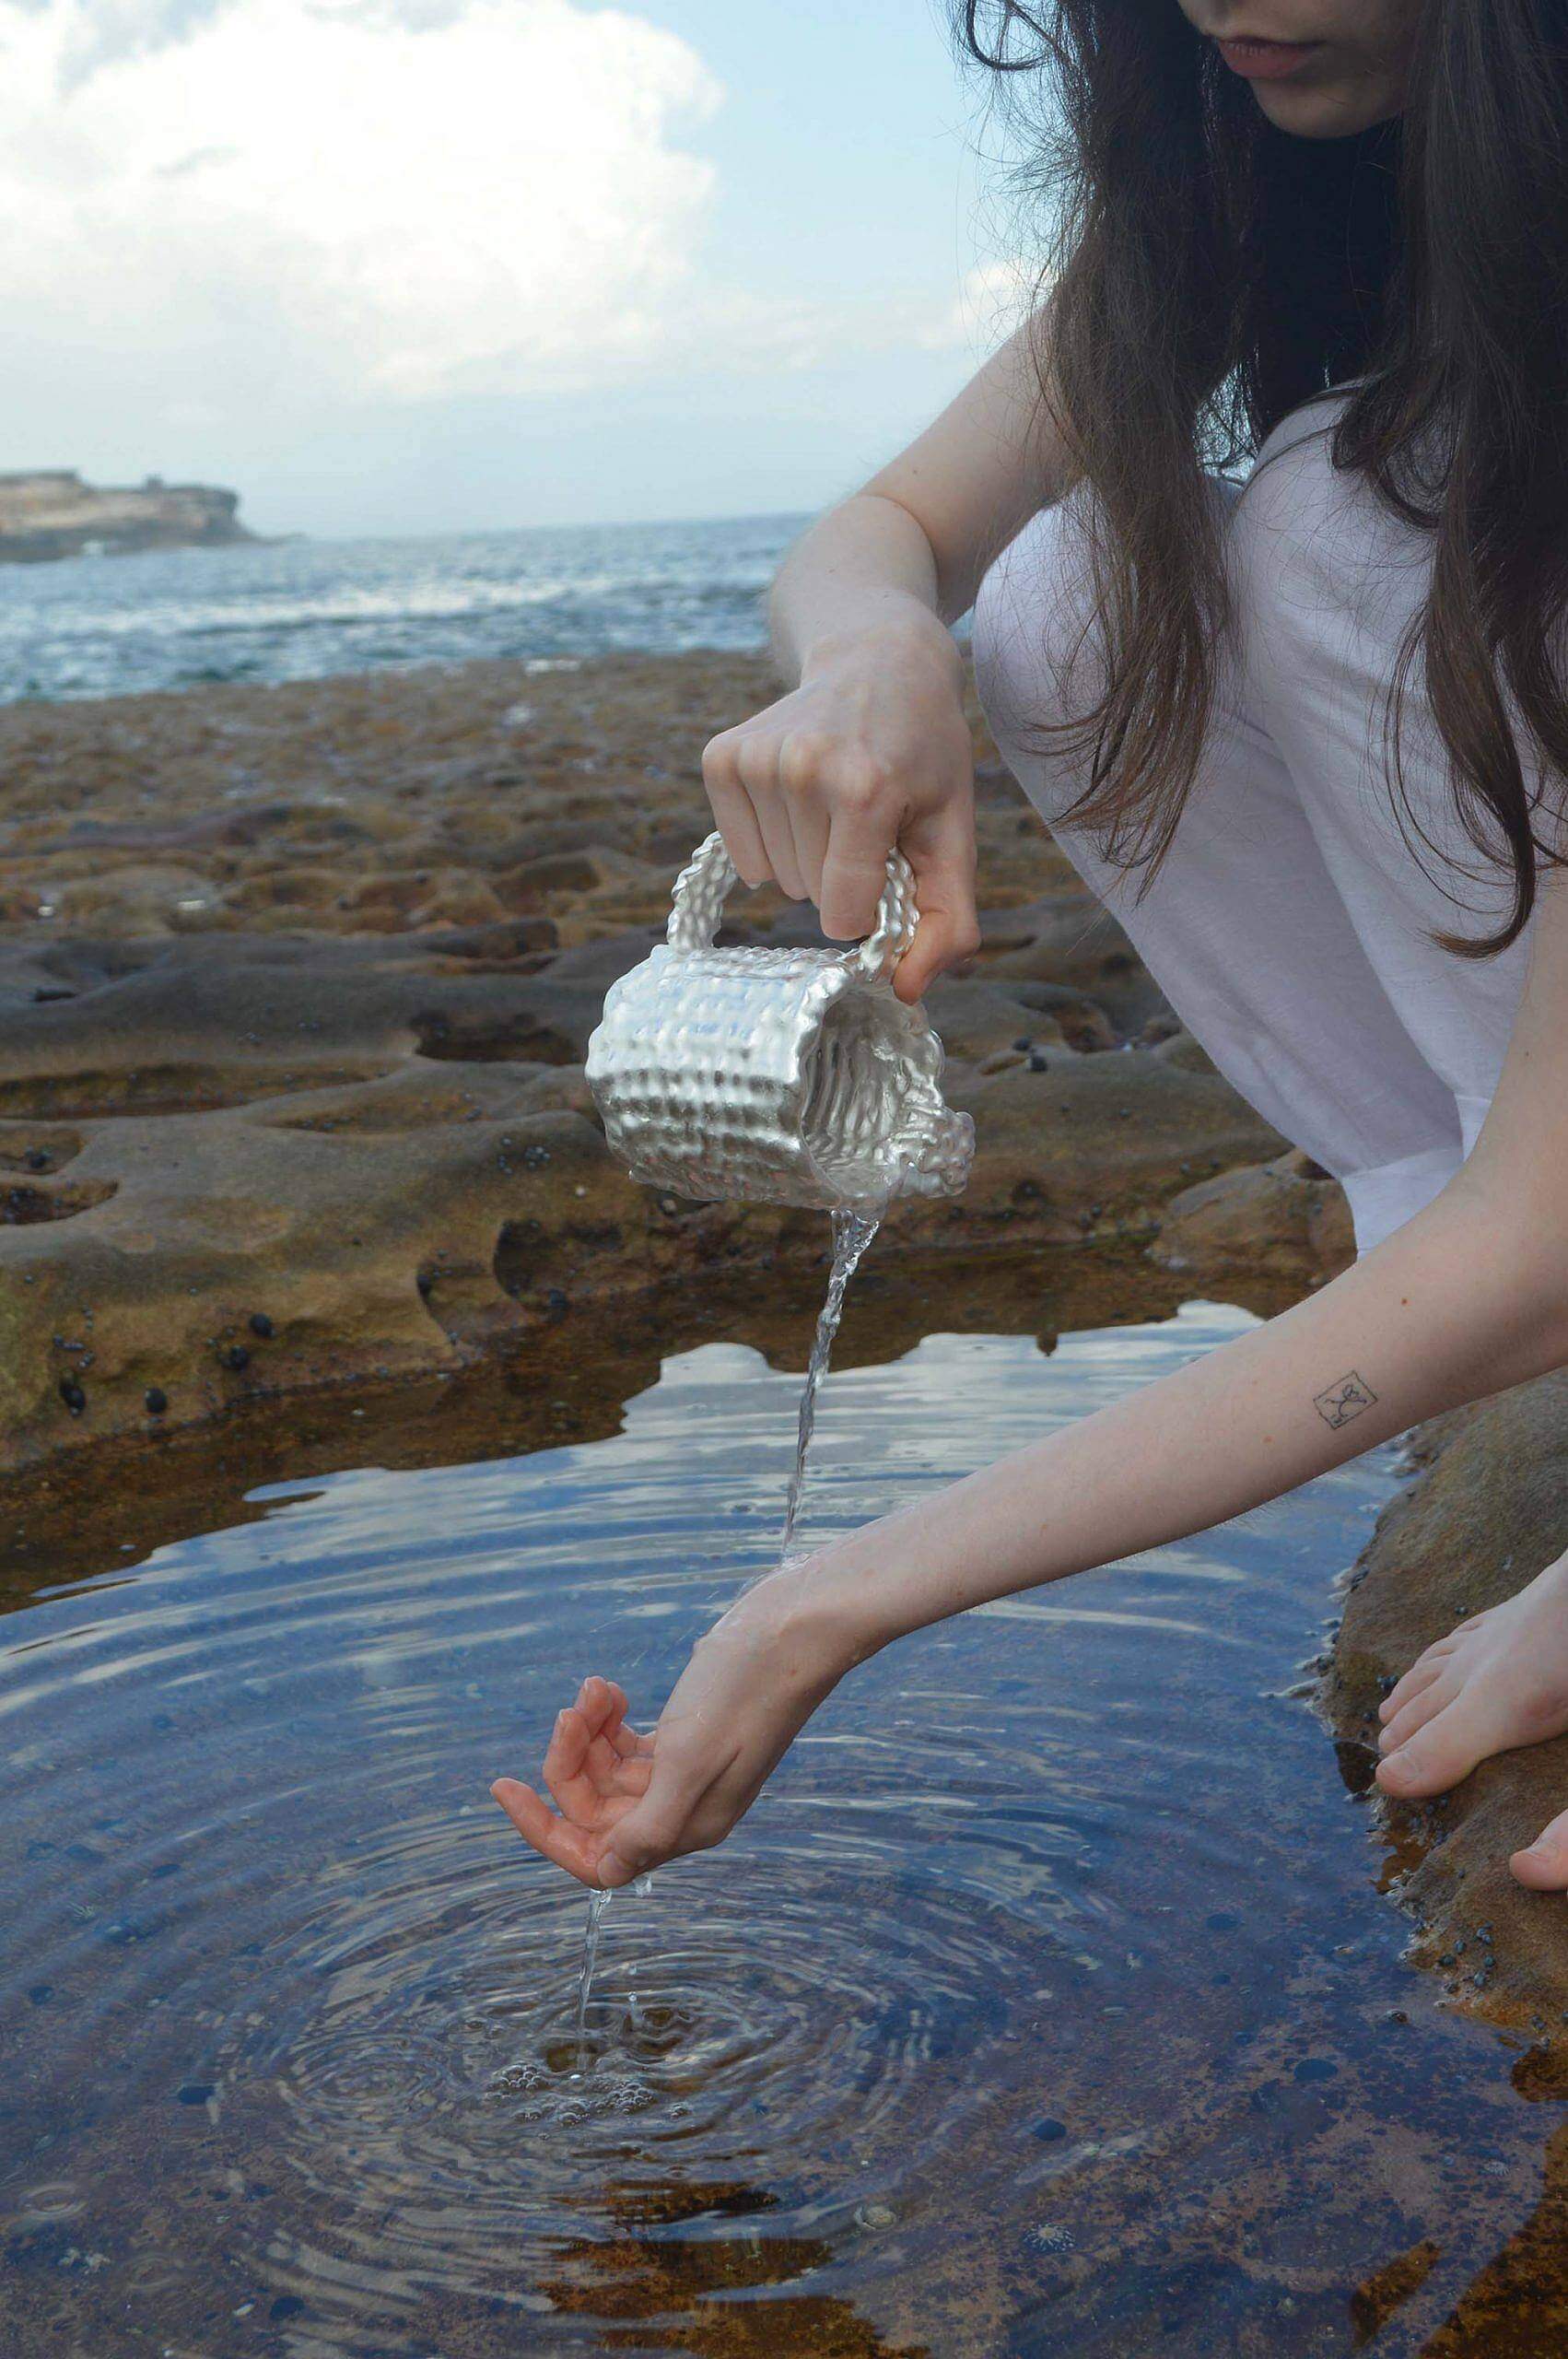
(1327, 110)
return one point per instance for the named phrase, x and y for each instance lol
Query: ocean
(301, 609)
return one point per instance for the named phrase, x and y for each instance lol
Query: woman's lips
(1267, 61)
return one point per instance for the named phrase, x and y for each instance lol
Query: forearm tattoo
(1345, 1398)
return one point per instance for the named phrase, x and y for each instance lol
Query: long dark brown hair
(1209, 274)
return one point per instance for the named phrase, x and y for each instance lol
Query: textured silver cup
(779, 1076)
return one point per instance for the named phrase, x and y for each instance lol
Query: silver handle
(705, 884)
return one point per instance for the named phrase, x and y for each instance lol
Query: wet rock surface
(1483, 1515)
(297, 984)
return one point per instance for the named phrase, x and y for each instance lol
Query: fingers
(1544, 1866)
(732, 811)
(854, 869)
(592, 1754)
(942, 942)
(757, 759)
(614, 1747)
(572, 1847)
(811, 822)
(616, 1775)
(657, 1829)
(943, 857)
(602, 1706)
(566, 1764)
(817, 806)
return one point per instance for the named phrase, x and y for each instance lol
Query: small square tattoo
(1344, 1399)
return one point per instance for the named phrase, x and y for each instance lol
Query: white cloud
(340, 201)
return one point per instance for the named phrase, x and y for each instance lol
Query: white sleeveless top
(1289, 925)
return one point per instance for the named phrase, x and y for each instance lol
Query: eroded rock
(297, 984)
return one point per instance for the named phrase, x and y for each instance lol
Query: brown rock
(975, 1019)
(1483, 1515)
(1069, 938)
(1287, 1220)
(1082, 1022)
(319, 1055)
(1178, 1046)
(1091, 1143)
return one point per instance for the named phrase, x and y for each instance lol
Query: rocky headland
(49, 512)
(296, 986)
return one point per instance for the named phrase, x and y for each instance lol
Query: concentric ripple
(1047, 1976)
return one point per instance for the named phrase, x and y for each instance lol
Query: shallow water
(1045, 2004)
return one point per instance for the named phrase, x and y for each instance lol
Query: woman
(1309, 741)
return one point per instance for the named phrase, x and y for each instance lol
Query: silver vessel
(782, 1076)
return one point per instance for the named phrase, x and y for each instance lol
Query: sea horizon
(294, 607)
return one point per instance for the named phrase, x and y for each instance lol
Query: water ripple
(1020, 1957)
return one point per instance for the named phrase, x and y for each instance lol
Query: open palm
(596, 1768)
(629, 1802)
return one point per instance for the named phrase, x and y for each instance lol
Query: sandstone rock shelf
(297, 984)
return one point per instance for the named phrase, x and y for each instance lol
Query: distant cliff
(50, 511)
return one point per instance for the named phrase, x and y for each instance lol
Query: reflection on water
(1044, 2004)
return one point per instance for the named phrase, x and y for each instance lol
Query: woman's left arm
(1466, 1298)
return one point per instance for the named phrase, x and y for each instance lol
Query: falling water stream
(598, 1902)
(852, 1233)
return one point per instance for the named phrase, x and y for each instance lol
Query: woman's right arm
(870, 746)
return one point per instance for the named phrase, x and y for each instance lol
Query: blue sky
(393, 265)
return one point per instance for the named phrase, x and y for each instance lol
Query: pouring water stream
(852, 1233)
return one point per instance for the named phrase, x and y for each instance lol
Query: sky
(411, 265)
